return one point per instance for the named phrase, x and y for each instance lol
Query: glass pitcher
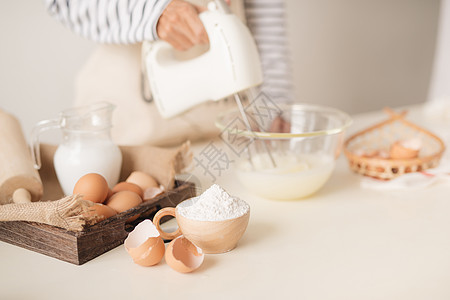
(86, 145)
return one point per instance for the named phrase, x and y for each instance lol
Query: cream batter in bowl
(290, 152)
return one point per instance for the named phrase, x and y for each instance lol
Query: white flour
(215, 204)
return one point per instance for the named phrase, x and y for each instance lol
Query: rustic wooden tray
(80, 247)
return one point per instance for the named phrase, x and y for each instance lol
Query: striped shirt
(133, 21)
(266, 20)
(110, 21)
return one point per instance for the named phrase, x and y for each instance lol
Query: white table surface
(345, 242)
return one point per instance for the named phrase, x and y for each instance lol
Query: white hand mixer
(231, 65)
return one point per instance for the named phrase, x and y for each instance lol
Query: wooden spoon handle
(21, 195)
(167, 211)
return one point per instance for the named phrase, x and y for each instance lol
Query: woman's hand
(180, 26)
(280, 125)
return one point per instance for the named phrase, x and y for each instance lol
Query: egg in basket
(392, 148)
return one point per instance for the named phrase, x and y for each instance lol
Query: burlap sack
(71, 212)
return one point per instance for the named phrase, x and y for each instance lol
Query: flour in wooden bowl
(215, 204)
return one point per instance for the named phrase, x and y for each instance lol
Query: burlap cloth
(71, 212)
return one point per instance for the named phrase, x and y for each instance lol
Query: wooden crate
(80, 247)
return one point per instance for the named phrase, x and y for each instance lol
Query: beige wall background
(356, 55)
(361, 55)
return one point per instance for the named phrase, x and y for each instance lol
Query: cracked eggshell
(183, 256)
(145, 245)
(152, 192)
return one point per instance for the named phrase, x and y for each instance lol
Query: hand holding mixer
(231, 65)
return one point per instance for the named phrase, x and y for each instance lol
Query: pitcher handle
(35, 134)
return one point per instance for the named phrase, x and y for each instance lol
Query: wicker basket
(380, 137)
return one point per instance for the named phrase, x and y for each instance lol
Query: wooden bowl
(210, 236)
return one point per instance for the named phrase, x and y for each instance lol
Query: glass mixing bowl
(290, 151)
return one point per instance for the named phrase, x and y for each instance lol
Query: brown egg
(406, 149)
(101, 211)
(142, 179)
(145, 245)
(371, 153)
(123, 200)
(383, 154)
(93, 187)
(183, 256)
(128, 186)
(110, 193)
